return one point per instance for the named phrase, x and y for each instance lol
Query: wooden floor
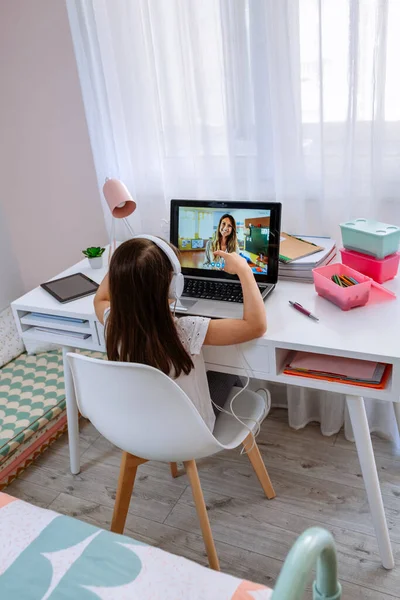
(317, 481)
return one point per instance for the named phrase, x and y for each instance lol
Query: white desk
(370, 333)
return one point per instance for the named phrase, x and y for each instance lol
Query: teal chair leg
(316, 545)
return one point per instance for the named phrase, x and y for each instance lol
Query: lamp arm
(129, 227)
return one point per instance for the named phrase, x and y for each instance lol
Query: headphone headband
(165, 248)
(176, 287)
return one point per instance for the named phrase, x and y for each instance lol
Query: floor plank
(99, 481)
(32, 493)
(382, 447)
(263, 527)
(321, 461)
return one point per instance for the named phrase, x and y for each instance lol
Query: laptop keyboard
(213, 290)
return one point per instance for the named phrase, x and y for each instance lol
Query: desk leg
(366, 457)
(396, 406)
(72, 416)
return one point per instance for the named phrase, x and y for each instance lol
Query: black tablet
(71, 287)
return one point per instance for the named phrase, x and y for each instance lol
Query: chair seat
(249, 407)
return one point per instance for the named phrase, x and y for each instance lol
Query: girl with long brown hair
(133, 303)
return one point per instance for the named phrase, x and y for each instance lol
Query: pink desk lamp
(121, 205)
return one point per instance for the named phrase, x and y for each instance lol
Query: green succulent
(94, 252)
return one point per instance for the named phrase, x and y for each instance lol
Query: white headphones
(177, 281)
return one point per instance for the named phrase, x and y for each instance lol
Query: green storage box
(371, 237)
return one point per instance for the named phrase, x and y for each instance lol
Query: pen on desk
(303, 310)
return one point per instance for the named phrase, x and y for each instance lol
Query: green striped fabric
(31, 395)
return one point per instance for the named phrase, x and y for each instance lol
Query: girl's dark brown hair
(140, 327)
(231, 243)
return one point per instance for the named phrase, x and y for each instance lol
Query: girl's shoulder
(192, 332)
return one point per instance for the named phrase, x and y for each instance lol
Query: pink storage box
(379, 269)
(344, 297)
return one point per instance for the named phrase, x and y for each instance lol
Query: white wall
(48, 189)
(10, 277)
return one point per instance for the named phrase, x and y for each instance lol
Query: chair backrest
(140, 410)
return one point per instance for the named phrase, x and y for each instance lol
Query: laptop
(198, 227)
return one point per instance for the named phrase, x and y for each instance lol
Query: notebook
(328, 247)
(292, 248)
(301, 268)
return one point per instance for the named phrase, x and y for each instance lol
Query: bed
(44, 555)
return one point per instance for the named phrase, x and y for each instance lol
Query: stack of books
(341, 370)
(298, 256)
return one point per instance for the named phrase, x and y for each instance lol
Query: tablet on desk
(71, 287)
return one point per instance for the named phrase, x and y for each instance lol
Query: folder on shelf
(338, 369)
(58, 318)
(63, 332)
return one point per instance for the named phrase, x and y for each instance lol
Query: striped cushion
(31, 396)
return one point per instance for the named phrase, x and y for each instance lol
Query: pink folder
(356, 369)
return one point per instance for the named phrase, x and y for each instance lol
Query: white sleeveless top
(192, 332)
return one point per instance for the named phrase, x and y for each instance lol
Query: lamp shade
(118, 198)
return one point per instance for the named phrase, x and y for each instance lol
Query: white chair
(146, 414)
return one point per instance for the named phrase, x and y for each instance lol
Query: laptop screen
(200, 228)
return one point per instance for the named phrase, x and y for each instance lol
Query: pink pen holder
(344, 297)
(352, 296)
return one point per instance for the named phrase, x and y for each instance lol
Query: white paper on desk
(347, 367)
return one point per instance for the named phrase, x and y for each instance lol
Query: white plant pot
(96, 263)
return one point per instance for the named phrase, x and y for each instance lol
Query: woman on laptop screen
(224, 238)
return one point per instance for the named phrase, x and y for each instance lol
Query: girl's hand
(234, 263)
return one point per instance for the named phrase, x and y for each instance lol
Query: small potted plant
(95, 256)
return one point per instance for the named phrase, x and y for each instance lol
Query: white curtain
(291, 100)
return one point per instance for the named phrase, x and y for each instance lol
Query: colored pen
(345, 281)
(335, 279)
(303, 310)
(353, 280)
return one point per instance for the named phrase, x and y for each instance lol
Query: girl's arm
(223, 332)
(102, 299)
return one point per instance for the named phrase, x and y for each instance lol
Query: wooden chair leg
(127, 474)
(191, 470)
(174, 470)
(257, 463)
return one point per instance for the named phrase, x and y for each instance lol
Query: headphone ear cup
(172, 289)
(176, 286)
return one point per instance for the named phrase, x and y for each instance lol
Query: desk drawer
(252, 356)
